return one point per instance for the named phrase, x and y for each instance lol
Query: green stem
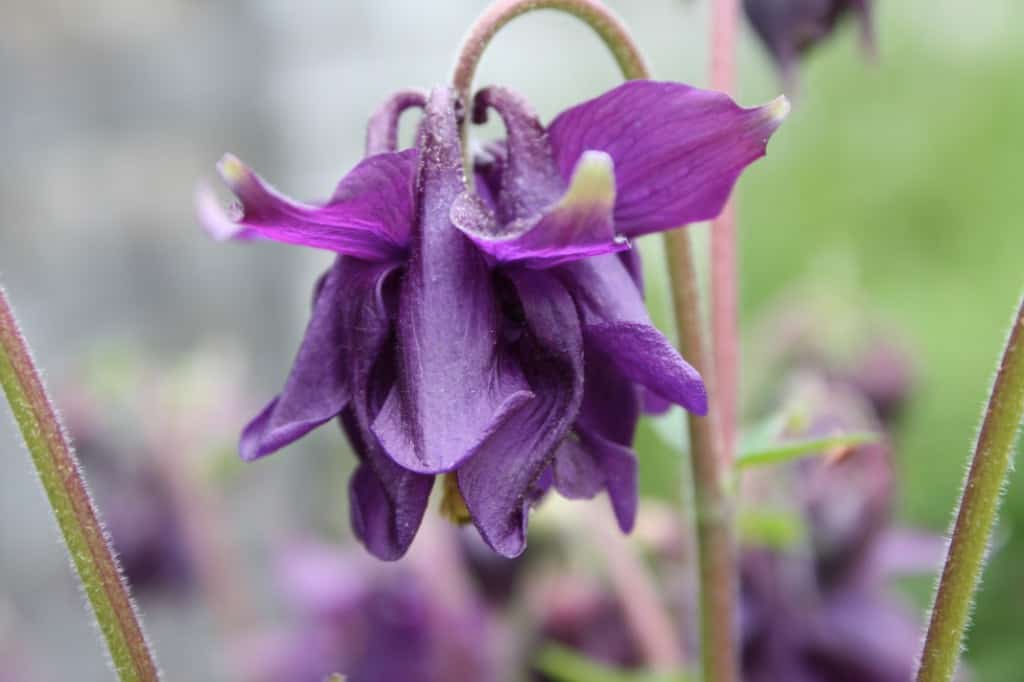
(61, 478)
(716, 550)
(715, 543)
(976, 517)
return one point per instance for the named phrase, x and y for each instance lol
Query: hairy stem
(724, 278)
(716, 552)
(76, 515)
(595, 15)
(976, 517)
(717, 571)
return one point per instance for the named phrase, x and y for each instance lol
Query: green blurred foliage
(906, 173)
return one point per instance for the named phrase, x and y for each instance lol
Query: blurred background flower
(376, 622)
(893, 188)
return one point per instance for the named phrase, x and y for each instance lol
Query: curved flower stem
(716, 550)
(977, 514)
(724, 278)
(608, 26)
(58, 471)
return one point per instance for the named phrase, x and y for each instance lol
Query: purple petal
(319, 385)
(677, 150)
(215, 220)
(616, 322)
(529, 179)
(382, 131)
(655, 404)
(590, 463)
(386, 502)
(368, 216)
(454, 387)
(579, 225)
(577, 475)
(611, 401)
(500, 483)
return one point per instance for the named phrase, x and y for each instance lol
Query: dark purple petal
(655, 404)
(577, 226)
(319, 385)
(382, 131)
(499, 483)
(615, 321)
(386, 502)
(577, 475)
(454, 386)
(529, 180)
(611, 401)
(677, 150)
(368, 216)
(589, 463)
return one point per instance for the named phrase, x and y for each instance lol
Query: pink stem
(724, 277)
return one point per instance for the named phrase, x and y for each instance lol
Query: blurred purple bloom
(824, 615)
(581, 614)
(371, 625)
(790, 28)
(480, 333)
(138, 508)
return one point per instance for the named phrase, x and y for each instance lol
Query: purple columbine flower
(790, 28)
(476, 332)
(825, 613)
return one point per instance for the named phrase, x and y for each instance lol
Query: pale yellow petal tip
(593, 179)
(778, 109)
(232, 170)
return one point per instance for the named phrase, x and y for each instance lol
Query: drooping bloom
(790, 28)
(494, 333)
(823, 612)
(141, 517)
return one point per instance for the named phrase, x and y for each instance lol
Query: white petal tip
(215, 220)
(232, 170)
(778, 109)
(593, 179)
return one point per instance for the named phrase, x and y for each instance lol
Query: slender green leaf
(796, 448)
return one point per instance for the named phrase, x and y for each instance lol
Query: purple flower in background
(372, 625)
(578, 612)
(139, 510)
(823, 614)
(790, 28)
(496, 334)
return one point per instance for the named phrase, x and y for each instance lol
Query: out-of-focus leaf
(565, 665)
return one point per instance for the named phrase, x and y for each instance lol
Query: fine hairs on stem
(76, 515)
(976, 515)
(716, 551)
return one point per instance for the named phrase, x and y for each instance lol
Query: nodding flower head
(494, 332)
(790, 28)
